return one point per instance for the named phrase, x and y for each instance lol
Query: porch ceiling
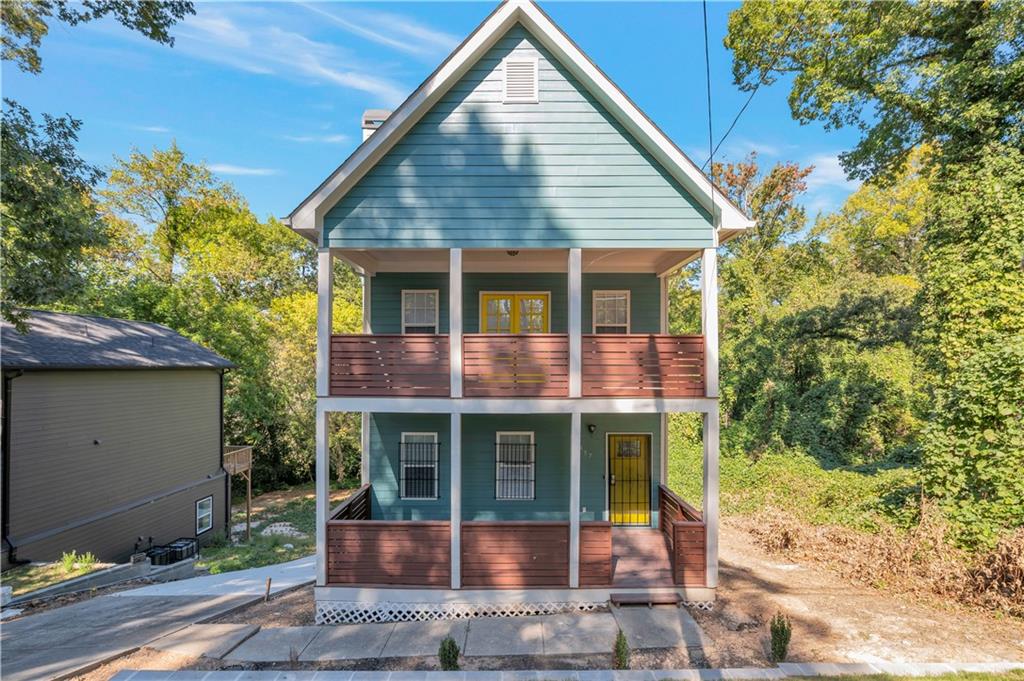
(645, 260)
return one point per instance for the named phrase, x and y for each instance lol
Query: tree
(948, 74)
(48, 217)
(26, 22)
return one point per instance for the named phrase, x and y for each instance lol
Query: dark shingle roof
(56, 340)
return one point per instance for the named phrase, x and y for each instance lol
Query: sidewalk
(251, 582)
(783, 671)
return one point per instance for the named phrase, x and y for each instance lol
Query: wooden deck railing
(643, 365)
(530, 365)
(686, 534)
(595, 553)
(355, 507)
(508, 555)
(390, 365)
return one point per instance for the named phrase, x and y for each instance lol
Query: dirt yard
(836, 621)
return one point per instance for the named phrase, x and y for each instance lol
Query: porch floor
(640, 558)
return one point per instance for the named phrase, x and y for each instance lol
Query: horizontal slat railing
(686, 534)
(595, 553)
(393, 553)
(509, 555)
(390, 365)
(529, 365)
(643, 365)
(355, 507)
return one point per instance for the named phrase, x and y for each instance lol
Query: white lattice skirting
(360, 612)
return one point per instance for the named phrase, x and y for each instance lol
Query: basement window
(204, 515)
(521, 80)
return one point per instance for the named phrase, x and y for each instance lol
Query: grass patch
(26, 578)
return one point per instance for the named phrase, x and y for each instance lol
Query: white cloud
(229, 169)
(151, 128)
(322, 139)
(391, 30)
(828, 173)
(254, 39)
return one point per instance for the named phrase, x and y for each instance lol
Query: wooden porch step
(649, 598)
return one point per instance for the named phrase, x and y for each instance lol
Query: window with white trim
(611, 311)
(204, 515)
(515, 465)
(521, 80)
(419, 311)
(418, 466)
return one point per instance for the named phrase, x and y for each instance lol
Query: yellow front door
(629, 479)
(514, 313)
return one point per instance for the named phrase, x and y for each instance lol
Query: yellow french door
(514, 312)
(629, 479)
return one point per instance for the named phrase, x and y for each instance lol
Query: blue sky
(270, 94)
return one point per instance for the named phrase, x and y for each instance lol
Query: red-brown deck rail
(643, 365)
(390, 365)
(529, 365)
(686, 534)
(595, 553)
(508, 555)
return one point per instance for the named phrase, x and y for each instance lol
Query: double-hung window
(515, 465)
(420, 311)
(611, 311)
(418, 466)
(204, 515)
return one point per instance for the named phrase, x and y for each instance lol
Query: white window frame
(402, 465)
(497, 465)
(536, 80)
(437, 307)
(208, 515)
(593, 308)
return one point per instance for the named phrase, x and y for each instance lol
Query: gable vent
(521, 80)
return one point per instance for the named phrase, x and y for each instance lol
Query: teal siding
(594, 456)
(556, 284)
(385, 460)
(644, 299)
(551, 489)
(475, 172)
(386, 298)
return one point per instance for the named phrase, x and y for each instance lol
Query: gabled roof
(307, 217)
(56, 340)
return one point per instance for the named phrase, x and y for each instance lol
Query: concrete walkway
(252, 582)
(783, 671)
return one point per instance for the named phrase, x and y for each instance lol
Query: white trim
(455, 323)
(710, 506)
(709, 318)
(575, 322)
(209, 498)
(664, 450)
(575, 445)
(495, 596)
(323, 482)
(517, 405)
(455, 512)
(607, 474)
(307, 217)
(533, 61)
(593, 309)
(364, 443)
(437, 307)
(663, 304)
(533, 465)
(324, 317)
(480, 308)
(402, 465)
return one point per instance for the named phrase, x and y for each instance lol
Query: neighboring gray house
(112, 435)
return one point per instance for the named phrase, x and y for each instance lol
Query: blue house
(514, 222)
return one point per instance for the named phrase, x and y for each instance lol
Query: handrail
(355, 507)
(690, 514)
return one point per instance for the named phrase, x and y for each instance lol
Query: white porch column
(663, 328)
(324, 313)
(455, 465)
(364, 430)
(575, 322)
(323, 500)
(455, 320)
(709, 318)
(710, 437)
(574, 501)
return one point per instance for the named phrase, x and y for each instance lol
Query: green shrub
(448, 653)
(782, 630)
(620, 655)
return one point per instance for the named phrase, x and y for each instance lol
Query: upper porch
(479, 325)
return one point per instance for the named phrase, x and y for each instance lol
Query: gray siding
(476, 172)
(97, 445)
